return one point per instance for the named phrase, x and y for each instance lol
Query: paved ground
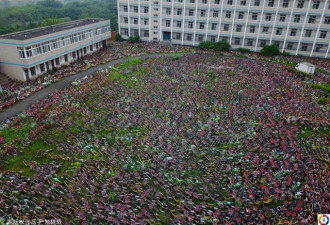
(24, 104)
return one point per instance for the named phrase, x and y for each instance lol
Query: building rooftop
(33, 33)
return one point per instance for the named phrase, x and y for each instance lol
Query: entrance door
(104, 43)
(166, 36)
(47, 66)
(53, 64)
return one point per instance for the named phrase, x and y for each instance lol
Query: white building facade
(296, 26)
(28, 54)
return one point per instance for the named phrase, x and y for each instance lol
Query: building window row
(49, 65)
(38, 49)
(269, 3)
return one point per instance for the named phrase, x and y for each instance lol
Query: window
(146, 21)
(293, 32)
(125, 19)
(178, 23)
(146, 9)
(239, 28)
(74, 54)
(226, 27)
(179, 0)
(33, 71)
(300, 4)
(192, 1)
(125, 8)
(191, 12)
(228, 14)
(203, 13)
(279, 31)
(201, 38)
(42, 67)
(217, 2)
(229, 2)
(311, 19)
(304, 47)
(243, 2)
(66, 58)
(168, 23)
(252, 29)
(215, 13)
(189, 37)
(249, 42)
(212, 38)
(202, 26)
(190, 24)
(285, 4)
(125, 31)
(214, 26)
(290, 46)
(268, 17)
(136, 9)
(282, 17)
(91, 48)
(240, 15)
(262, 43)
(254, 16)
(85, 50)
(316, 4)
(179, 12)
(318, 48)
(168, 11)
(327, 20)
(308, 33)
(237, 41)
(270, 3)
(277, 43)
(135, 20)
(178, 36)
(296, 18)
(323, 34)
(146, 33)
(265, 30)
(57, 61)
(257, 3)
(204, 1)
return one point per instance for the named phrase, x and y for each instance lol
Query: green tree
(222, 46)
(270, 50)
(205, 45)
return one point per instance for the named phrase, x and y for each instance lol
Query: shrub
(134, 39)
(243, 50)
(206, 45)
(284, 53)
(270, 50)
(118, 37)
(222, 46)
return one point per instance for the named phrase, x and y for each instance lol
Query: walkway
(25, 104)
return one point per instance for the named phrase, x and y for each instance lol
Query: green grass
(324, 87)
(322, 71)
(308, 132)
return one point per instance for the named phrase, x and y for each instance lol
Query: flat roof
(33, 33)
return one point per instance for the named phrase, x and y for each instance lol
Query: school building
(296, 26)
(28, 54)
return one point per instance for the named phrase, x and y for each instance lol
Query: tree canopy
(15, 18)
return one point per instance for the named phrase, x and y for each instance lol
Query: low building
(28, 54)
(306, 67)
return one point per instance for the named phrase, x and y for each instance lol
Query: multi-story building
(28, 54)
(296, 26)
